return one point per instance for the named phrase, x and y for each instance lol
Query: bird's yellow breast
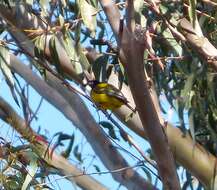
(105, 101)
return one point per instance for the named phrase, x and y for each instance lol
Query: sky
(51, 121)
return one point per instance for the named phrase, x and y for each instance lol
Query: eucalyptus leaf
(110, 128)
(31, 173)
(191, 123)
(148, 174)
(88, 14)
(192, 11)
(186, 93)
(139, 17)
(77, 153)
(68, 150)
(193, 17)
(54, 53)
(172, 42)
(97, 168)
(69, 45)
(4, 64)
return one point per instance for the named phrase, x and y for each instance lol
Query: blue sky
(52, 121)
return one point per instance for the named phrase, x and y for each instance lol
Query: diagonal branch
(199, 43)
(73, 108)
(18, 28)
(65, 168)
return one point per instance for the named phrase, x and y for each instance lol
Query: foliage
(178, 70)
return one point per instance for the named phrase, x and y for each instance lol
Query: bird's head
(93, 83)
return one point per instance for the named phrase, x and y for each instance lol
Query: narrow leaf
(31, 173)
(77, 153)
(193, 17)
(4, 64)
(69, 45)
(88, 14)
(186, 92)
(110, 128)
(191, 123)
(97, 168)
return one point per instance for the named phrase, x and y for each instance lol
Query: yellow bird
(106, 96)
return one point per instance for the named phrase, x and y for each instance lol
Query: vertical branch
(132, 48)
(130, 15)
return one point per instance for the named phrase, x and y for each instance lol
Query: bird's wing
(110, 90)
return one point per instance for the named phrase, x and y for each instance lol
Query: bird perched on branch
(106, 96)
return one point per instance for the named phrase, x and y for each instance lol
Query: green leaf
(163, 9)
(30, 2)
(211, 87)
(82, 58)
(192, 12)
(11, 184)
(172, 42)
(88, 14)
(193, 17)
(139, 17)
(187, 92)
(68, 150)
(94, 3)
(97, 168)
(191, 123)
(8, 3)
(110, 128)
(4, 64)
(44, 7)
(69, 45)
(39, 46)
(61, 20)
(77, 153)
(31, 173)
(54, 53)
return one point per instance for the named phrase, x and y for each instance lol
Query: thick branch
(131, 54)
(188, 155)
(191, 156)
(64, 167)
(130, 16)
(19, 18)
(73, 108)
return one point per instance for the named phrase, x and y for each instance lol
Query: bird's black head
(93, 83)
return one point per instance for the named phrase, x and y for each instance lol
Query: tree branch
(199, 43)
(28, 21)
(130, 16)
(131, 54)
(73, 108)
(65, 168)
(191, 156)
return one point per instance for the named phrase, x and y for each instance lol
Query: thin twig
(93, 173)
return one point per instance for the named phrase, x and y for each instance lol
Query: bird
(106, 96)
